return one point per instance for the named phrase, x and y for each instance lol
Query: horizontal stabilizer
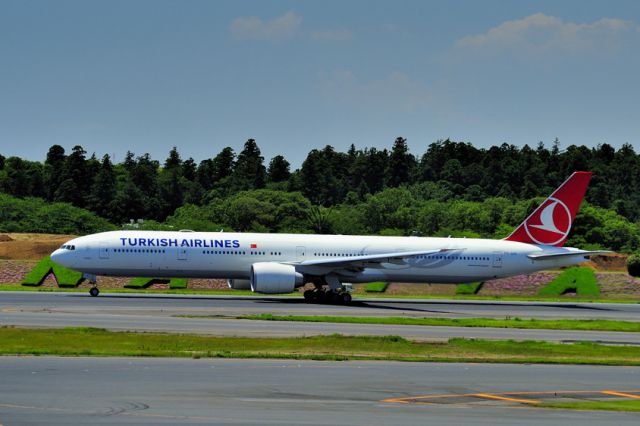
(545, 256)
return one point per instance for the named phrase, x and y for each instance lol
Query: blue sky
(144, 76)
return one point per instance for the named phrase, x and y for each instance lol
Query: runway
(160, 313)
(78, 391)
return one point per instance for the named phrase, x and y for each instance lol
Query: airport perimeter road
(79, 391)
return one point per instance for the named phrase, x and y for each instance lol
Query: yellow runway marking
(504, 398)
(509, 396)
(626, 395)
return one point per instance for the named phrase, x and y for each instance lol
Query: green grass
(139, 282)
(470, 288)
(376, 287)
(232, 293)
(99, 342)
(64, 276)
(625, 405)
(178, 283)
(142, 282)
(581, 280)
(594, 325)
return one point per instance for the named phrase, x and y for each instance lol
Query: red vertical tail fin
(551, 222)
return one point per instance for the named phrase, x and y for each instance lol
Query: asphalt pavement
(163, 313)
(80, 391)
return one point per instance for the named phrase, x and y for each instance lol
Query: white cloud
(542, 33)
(332, 35)
(255, 28)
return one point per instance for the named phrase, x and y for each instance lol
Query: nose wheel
(94, 291)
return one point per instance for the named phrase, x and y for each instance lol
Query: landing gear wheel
(346, 298)
(309, 295)
(94, 291)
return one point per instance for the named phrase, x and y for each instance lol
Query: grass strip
(99, 342)
(143, 283)
(469, 288)
(376, 287)
(65, 277)
(580, 280)
(591, 325)
(625, 405)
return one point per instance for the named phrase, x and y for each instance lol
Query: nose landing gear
(94, 287)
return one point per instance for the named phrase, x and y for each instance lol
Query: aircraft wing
(359, 261)
(551, 255)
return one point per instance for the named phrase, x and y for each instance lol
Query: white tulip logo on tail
(551, 225)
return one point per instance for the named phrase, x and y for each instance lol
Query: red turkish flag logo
(551, 223)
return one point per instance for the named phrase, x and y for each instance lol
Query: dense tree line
(452, 188)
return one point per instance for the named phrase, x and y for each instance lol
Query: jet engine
(274, 278)
(235, 284)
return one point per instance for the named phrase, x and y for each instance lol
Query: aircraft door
(300, 253)
(104, 252)
(182, 253)
(497, 259)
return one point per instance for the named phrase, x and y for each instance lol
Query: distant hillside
(29, 246)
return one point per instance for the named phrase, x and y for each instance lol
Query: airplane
(280, 263)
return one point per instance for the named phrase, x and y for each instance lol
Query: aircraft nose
(62, 257)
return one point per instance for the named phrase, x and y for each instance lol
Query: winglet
(551, 222)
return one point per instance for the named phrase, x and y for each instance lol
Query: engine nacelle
(274, 278)
(235, 284)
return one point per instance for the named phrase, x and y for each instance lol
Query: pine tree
(249, 171)
(74, 177)
(173, 161)
(401, 164)
(223, 164)
(278, 169)
(53, 169)
(103, 190)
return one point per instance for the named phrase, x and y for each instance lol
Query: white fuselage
(231, 255)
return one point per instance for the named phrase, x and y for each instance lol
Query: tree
(223, 164)
(171, 192)
(633, 265)
(16, 183)
(129, 201)
(189, 169)
(249, 171)
(74, 178)
(103, 190)
(401, 164)
(319, 220)
(204, 174)
(323, 176)
(278, 169)
(53, 169)
(173, 161)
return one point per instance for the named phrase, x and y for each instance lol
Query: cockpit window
(68, 247)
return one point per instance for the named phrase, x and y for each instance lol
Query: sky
(147, 75)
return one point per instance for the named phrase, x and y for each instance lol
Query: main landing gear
(327, 296)
(329, 290)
